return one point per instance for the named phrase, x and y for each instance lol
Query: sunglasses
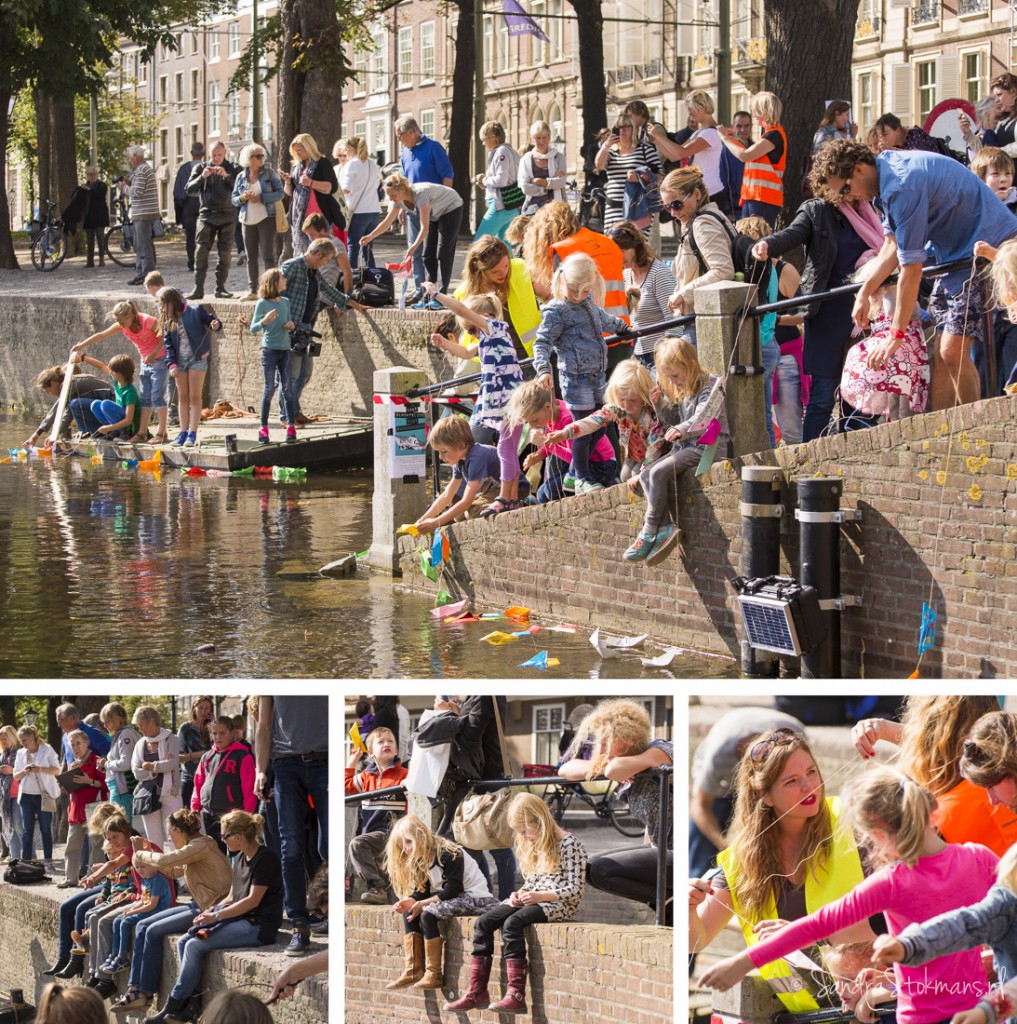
(227, 835)
(846, 190)
(781, 738)
(676, 205)
(257, 156)
(622, 128)
(974, 753)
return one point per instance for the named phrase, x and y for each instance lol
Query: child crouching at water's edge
(686, 389)
(573, 324)
(476, 472)
(500, 375)
(434, 879)
(121, 419)
(545, 414)
(553, 863)
(273, 321)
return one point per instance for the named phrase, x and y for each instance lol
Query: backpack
(741, 249)
(374, 286)
(25, 872)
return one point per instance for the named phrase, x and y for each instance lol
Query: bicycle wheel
(557, 800)
(49, 250)
(620, 814)
(119, 247)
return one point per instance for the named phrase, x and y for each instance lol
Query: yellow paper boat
(45, 453)
(497, 638)
(408, 528)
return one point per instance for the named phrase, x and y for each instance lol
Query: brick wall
(29, 946)
(597, 974)
(38, 332)
(952, 538)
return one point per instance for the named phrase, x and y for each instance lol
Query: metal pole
(255, 77)
(663, 773)
(479, 104)
(93, 131)
(761, 509)
(724, 63)
(819, 504)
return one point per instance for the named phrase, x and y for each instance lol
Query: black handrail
(370, 794)
(469, 378)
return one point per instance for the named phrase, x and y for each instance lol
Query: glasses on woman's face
(257, 156)
(622, 128)
(227, 835)
(780, 738)
(676, 205)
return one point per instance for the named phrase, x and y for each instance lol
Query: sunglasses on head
(779, 738)
(974, 753)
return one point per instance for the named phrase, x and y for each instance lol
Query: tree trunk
(591, 69)
(64, 163)
(312, 99)
(460, 135)
(8, 260)
(42, 131)
(808, 59)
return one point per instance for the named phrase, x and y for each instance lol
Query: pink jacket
(246, 780)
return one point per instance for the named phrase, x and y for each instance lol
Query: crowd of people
(427, 877)
(906, 874)
(217, 833)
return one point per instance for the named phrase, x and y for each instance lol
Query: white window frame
(428, 53)
(214, 43)
(867, 120)
(233, 47)
(489, 35)
(195, 85)
(931, 86)
(550, 707)
(982, 53)
(233, 113)
(179, 83)
(538, 48)
(405, 58)
(214, 102)
(360, 129)
(360, 74)
(379, 63)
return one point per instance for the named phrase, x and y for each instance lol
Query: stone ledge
(28, 943)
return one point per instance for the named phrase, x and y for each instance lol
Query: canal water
(105, 572)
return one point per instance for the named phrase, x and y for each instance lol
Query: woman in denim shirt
(256, 192)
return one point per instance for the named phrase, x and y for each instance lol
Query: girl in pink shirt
(141, 330)
(924, 876)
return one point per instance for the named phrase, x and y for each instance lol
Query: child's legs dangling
(184, 400)
(486, 925)
(513, 936)
(659, 481)
(508, 457)
(195, 380)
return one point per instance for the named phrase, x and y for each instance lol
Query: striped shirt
(618, 167)
(143, 193)
(655, 290)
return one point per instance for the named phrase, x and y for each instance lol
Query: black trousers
(189, 222)
(513, 922)
(440, 247)
(631, 873)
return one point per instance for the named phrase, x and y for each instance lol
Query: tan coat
(714, 242)
(201, 864)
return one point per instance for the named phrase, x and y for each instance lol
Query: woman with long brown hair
(648, 283)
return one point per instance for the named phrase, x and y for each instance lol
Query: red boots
(514, 1000)
(476, 997)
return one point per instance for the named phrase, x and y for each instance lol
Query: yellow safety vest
(522, 304)
(841, 873)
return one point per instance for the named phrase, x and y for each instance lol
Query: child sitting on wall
(476, 472)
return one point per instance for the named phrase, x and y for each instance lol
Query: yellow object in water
(44, 453)
(518, 614)
(497, 638)
(95, 460)
(408, 528)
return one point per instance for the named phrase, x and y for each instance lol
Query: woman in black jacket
(96, 217)
(311, 173)
(832, 250)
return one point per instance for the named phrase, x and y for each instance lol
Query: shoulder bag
(481, 820)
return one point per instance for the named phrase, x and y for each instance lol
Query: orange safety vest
(610, 263)
(764, 181)
(964, 815)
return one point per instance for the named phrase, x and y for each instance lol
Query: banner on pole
(519, 22)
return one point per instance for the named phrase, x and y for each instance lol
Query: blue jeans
(412, 230)
(505, 865)
(771, 360)
(273, 361)
(107, 412)
(754, 208)
(122, 929)
(17, 830)
(72, 916)
(702, 853)
(146, 963)
(31, 811)
(495, 222)
(817, 413)
(81, 410)
(295, 781)
(301, 367)
(152, 381)
(237, 933)
(362, 224)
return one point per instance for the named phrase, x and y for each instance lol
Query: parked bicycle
(611, 803)
(588, 205)
(119, 238)
(49, 241)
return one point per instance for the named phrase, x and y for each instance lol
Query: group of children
(658, 423)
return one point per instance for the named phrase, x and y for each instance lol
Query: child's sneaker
(640, 547)
(664, 543)
(263, 435)
(291, 434)
(568, 482)
(587, 486)
(192, 439)
(180, 440)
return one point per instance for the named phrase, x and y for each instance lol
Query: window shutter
(610, 36)
(685, 43)
(947, 77)
(900, 91)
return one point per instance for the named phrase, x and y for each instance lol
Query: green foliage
(270, 43)
(123, 120)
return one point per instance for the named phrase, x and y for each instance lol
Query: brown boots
(433, 977)
(476, 997)
(413, 950)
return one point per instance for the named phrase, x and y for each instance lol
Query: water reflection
(107, 572)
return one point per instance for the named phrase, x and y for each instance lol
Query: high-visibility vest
(608, 257)
(841, 873)
(764, 181)
(522, 311)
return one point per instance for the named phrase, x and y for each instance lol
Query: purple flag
(519, 22)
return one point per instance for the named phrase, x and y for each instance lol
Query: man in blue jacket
(186, 207)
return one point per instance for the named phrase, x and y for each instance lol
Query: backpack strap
(732, 235)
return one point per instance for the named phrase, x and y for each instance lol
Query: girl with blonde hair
(573, 325)
(143, 332)
(765, 160)
(536, 406)
(922, 875)
(629, 402)
(704, 145)
(313, 188)
(64, 1005)
(619, 735)
(1004, 289)
(273, 319)
(434, 880)
(554, 875)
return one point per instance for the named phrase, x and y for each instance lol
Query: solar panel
(769, 624)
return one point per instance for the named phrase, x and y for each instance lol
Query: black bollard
(761, 509)
(819, 514)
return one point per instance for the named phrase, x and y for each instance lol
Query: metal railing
(926, 12)
(972, 6)
(665, 771)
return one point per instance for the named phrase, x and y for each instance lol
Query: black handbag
(512, 196)
(147, 797)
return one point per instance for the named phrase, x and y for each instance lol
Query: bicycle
(611, 804)
(119, 238)
(49, 242)
(587, 205)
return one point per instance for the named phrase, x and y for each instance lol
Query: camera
(300, 340)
